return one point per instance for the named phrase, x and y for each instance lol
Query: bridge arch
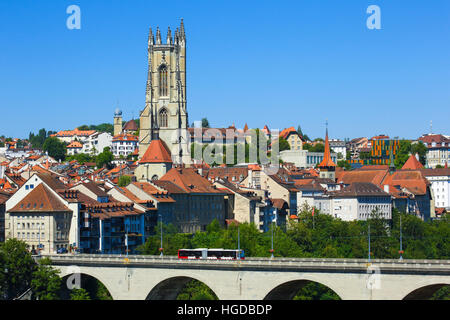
(71, 276)
(289, 289)
(170, 288)
(425, 292)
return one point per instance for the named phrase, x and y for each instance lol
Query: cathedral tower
(165, 99)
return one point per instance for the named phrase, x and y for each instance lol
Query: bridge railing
(249, 261)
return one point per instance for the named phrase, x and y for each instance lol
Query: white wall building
(440, 186)
(438, 146)
(338, 147)
(356, 202)
(124, 144)
(96, 142)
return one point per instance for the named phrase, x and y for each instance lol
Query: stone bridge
(141, 277)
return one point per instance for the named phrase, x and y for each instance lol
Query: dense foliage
(103, 127)
(104, 159)
(55, 148)
(19, 273)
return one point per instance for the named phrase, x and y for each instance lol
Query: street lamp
(239, 242)
(161, 249)
(401, 249)
(39, 239)
(271, 250)
(369, 239)
(126, 239)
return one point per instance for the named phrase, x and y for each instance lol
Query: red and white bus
(214, 254)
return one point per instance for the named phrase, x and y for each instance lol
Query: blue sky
(280, 63)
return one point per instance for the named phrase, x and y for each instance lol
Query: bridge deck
(405, 266)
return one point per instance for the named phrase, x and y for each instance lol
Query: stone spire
(182, 34)
(176, 39)
(151, 39)
(169, 36)
(158, 36)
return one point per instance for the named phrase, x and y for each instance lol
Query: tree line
(318, 236)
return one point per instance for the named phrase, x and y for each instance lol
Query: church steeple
(327, 166)
(391, 161)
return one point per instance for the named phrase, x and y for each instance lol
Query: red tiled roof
(125, 137)
(75, 144)
(380, 137)
(68, 133)
(288, 131)
(412, 163)
(40, 199)
(430, 138)
(189, 180)
(156, 152)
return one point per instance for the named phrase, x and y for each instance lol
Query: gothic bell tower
(165, 98)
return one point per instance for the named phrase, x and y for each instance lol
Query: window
(163, 123)
(163, 81)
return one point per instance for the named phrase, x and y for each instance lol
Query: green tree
(46, 283)
(84, 127)
(55, 148)
(283, 144)
(105, 158)
(315, 291)
(196, 290)
(124, 181)
(79, 294)
(205, 123)
(16, 268)
(344, 164)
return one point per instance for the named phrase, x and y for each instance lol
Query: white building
(440, 186)
(438, 146)
(124, 144)
(68, 136)
(338, 147)
(357, 201)
(74, 147)
(96, 142)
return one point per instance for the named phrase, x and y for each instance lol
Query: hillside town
(59, 206)
(104, 189)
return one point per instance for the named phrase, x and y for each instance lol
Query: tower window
(163, 123)
(163, 87)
